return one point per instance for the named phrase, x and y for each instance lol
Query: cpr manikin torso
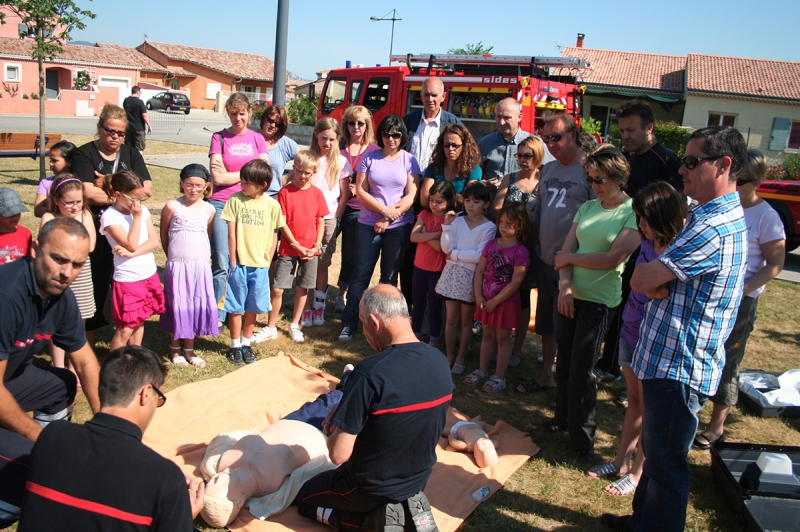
(257, 465)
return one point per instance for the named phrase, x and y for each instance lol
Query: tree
(472, 49)
(50, 22)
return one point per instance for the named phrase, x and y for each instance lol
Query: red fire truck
(474, 85)
(784, 197)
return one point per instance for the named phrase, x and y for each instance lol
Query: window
(785, 134)
(212, 89)
(377, 94)
(794, 137)
(719, 119)
(175, 84)
(12, 73)
(355, 91)
(333, 95)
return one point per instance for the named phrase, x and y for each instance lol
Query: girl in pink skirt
(497, 280)
(185, 231)
(136, 290)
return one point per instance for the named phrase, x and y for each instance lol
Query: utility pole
(281, 39)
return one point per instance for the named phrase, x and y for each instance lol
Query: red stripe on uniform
(90, 506)
(416, 406)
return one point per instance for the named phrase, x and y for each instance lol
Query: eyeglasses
(273, 122)
(113, 132)
(71, 204)
(396, 135)
(524, 156)
(451, 145)
(691, 162)
(356, 123)
(301, 173)
(598, 181)
(555, 137)
(195, 187)
(132, 200)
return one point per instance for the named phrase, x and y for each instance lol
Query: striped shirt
(682, 337)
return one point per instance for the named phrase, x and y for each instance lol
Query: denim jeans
(391, 246)
(579, 342)
(668, 429)
(348, 229)
(220, 259)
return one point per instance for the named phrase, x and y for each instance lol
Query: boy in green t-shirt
(253, 222)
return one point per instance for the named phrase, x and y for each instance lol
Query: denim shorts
(626, 354)
(247, 290)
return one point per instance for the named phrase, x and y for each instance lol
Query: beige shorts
(328, 243)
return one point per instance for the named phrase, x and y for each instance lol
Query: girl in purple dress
(185, 231)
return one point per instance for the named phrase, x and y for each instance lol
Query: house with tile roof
(206, 72)
(113, 70)
(759, 97)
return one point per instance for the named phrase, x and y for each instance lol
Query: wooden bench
(24, 144)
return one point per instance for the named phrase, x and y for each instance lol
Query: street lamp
(394, 18)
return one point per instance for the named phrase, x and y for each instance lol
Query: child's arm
(472, 256)
(212, 212)
(166, 217)
(232, 244)
(436, 242)
(130, 240)
(478, 283)
(46, 217)
(419, 234)
(273, 246)
(88, 223)
(147, 246)
(516, 281)
(320, 234)
(294, 244)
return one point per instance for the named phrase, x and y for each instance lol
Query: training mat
(255, 396)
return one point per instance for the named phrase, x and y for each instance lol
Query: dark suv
(170, 101)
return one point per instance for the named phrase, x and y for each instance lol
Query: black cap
(195, 170)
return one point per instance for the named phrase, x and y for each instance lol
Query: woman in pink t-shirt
(230, 149)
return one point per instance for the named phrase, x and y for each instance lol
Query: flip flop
(624, 486)
(709, 441)
(602, 471)
(530, 386)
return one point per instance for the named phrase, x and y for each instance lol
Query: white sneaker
(296, 333)
(308, 318)
(339, 304)
(266, 333)
(319, 316)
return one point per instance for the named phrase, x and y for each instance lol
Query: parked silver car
(170, 101)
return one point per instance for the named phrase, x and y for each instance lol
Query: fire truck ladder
(571, 63)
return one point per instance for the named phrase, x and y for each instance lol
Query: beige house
(760, 97)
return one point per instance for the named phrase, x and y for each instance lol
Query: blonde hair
(536, 145)
(306, 159)
(608, 160)
(236, 102)
(754, 169)
(354, 112)
(112, 112)
(332, 159)
(60, 185)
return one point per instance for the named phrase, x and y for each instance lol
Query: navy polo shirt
(28, 321)
(100, 476)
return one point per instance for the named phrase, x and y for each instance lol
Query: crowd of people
(641, 261)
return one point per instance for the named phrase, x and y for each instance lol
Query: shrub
(82, 81)
(258, 113)
(591, 125)
(670, 134)
(24, 96)
(34, 96)
(302, 111)
(792, 166)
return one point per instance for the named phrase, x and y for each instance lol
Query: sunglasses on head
(113, 132)
(356, 123)
(691, 162)
(555, 137)
(396, 135)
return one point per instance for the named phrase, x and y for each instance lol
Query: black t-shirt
(657, 163)
(87, 159)
(28, 322)
(395, 402)
(135, 108)
(99, 476)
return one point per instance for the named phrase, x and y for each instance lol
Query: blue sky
(324, 35)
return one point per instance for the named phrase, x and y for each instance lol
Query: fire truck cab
(473, 83)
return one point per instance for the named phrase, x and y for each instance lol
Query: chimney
(580, 40)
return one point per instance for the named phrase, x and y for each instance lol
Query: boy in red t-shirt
(15, 239)
(303, 207)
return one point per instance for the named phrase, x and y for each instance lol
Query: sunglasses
(396, 135)
(132, 200)
(555, 137)
(356, 123)
(70, 204)
(161, 397)
(113, 132)
(273, 122)
(598, 181)
(451, 145)
(691, 162)
(524, 156)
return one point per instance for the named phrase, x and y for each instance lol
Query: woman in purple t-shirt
(230, 149)
(386, 185)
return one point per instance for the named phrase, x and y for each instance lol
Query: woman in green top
(602, 237)
(456, 159)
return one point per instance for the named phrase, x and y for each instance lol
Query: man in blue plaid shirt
(696, 286)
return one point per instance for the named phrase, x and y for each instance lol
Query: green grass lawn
(551, 491)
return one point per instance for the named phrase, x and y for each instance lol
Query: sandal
(177, 358)
(697, 444)
(494, 384)
(602, 471)
(475, 377)
(624, 486)
(457, 369)
(530, 386)
(516, 360)
(195, 360)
